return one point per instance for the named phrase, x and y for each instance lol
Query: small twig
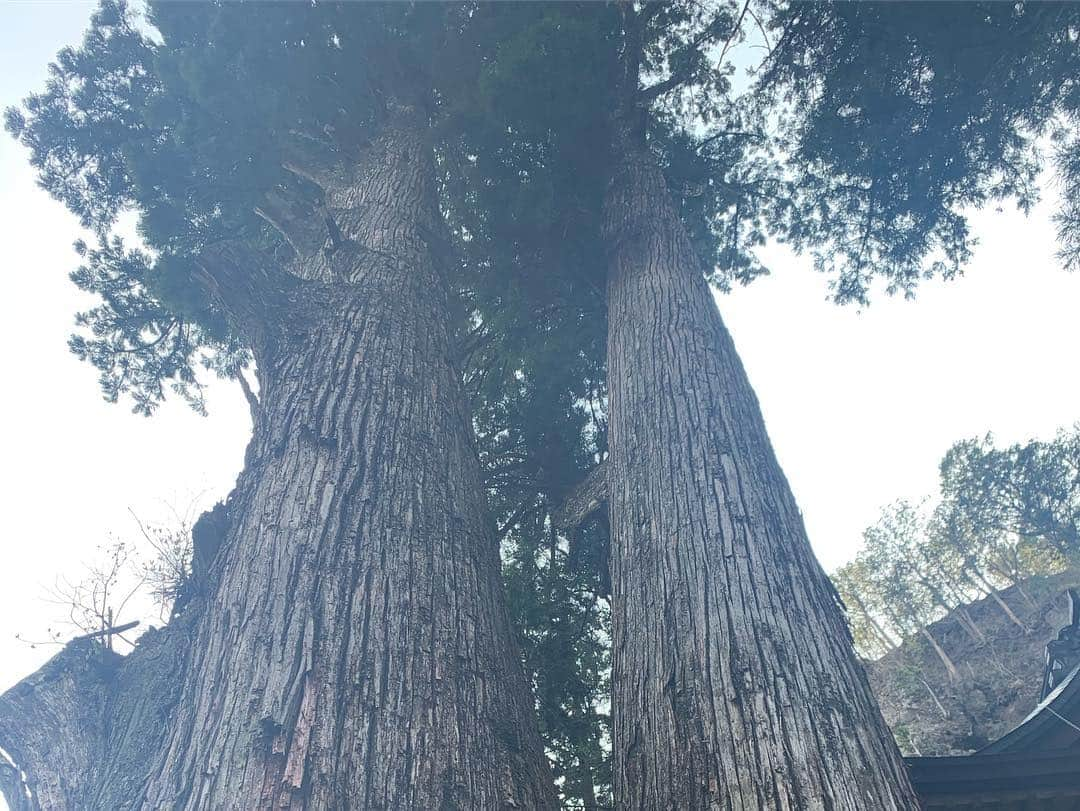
(761, 28)
(114, 630)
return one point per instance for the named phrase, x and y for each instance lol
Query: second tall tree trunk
(735, 682)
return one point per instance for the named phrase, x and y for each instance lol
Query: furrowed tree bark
(35, 718)
(80, 729)
(735, 681)
(352, 648)
(357, 651)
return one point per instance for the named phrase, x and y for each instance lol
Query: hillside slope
(999, 679)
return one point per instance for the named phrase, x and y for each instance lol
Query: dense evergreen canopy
(865, 134)
(146, 117)
(908, 115)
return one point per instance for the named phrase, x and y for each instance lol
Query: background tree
(920, 564)
(905, 592)
(869, 622)
(1028, 491)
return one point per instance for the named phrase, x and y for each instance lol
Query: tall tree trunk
(736, 685)
(997, 598)
(886, 639)
(950, 666)
(354, 650)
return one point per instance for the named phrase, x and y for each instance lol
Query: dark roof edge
(1062, 706)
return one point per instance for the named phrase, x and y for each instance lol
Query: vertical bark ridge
(356, 651)
(736, 685)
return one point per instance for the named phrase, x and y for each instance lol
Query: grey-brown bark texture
(735, 682)
(67, 693)
(353, 649)
(80, 729)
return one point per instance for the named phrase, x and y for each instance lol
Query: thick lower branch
(52, 727)
(81, 732)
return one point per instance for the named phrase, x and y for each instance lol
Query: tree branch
(313, 160)
(653, 92)
(250, 286)
(584, 500)
(728, 134)
(680, 77)
(114, 630)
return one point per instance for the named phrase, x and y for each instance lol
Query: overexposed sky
(860, 406)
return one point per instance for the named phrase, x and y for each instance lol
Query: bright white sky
(860, 406)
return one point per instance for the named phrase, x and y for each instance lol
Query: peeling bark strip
(356, 652)
(735, 683)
